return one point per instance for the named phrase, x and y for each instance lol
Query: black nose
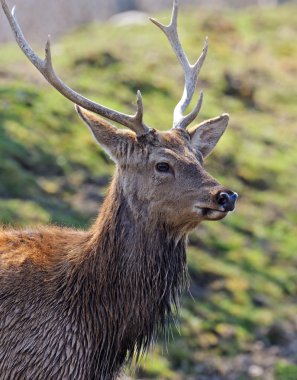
(227, 200)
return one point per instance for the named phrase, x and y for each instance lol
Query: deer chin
(210, 213)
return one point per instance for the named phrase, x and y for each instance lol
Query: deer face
(163, 173)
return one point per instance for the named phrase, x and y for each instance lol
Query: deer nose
(227, 200)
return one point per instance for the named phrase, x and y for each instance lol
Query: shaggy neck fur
(133, 273)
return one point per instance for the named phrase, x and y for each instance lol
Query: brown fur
(78, 304)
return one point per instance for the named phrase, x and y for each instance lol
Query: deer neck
(141, 267)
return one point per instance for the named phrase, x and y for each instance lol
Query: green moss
(285, 371)
(18, 212)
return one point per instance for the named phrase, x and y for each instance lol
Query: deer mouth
(211, 213)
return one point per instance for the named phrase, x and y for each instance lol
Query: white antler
(191, 72)
(133, 122)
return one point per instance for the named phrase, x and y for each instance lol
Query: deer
(80, 304)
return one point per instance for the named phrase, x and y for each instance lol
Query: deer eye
(162, 167)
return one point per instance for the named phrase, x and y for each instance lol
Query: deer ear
(205, 136)
(112, 139)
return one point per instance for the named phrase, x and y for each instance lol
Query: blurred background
(61, 16)
(239, 319)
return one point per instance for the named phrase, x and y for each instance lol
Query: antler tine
(133, 122)
(191, 72)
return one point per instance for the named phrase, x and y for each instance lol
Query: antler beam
(133, 122)
(191, 72)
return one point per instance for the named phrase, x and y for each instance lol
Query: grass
(286, 371)
(243, 268)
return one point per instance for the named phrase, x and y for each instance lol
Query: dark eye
(163, 167)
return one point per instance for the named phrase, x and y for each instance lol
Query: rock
(255, 371)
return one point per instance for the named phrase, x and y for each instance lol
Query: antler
(133, 122)
(191, 72)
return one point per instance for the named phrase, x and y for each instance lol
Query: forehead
(173, 137)
(173, 140)
(172, 144)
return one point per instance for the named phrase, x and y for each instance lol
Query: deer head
(161, 174)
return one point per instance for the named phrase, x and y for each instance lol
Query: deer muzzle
(227, 199)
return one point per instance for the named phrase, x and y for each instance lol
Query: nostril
(223, 198)
(233, 197)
